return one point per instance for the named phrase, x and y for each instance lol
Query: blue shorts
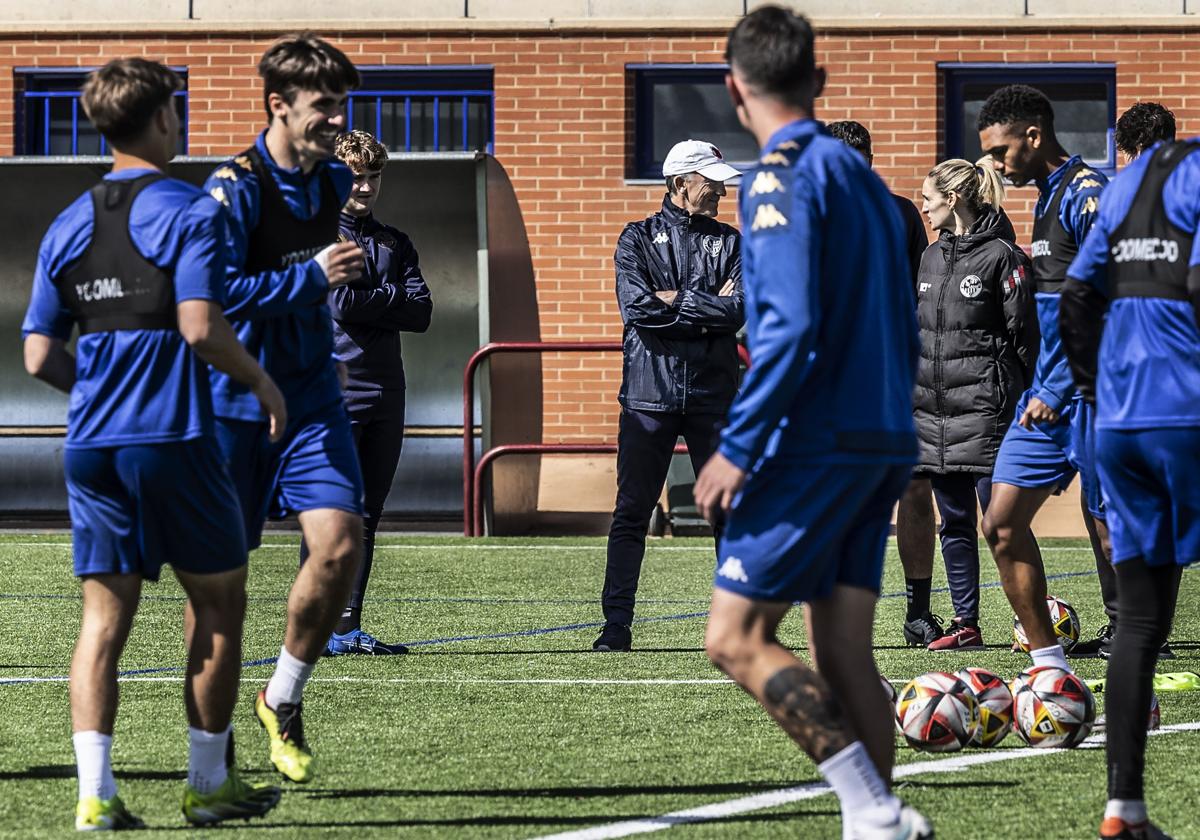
(314, 467)
(797, 530)
(1083, 456)
(136, 508)
(1037, 457)
(1151, 482)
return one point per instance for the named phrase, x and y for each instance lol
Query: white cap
(698, 156)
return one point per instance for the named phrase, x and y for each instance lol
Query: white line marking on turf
(490, 547)
(403, 680)
(775, 798)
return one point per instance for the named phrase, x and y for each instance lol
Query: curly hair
(361, 151)
(1017, 104)
(1142, 126)
(853, 134)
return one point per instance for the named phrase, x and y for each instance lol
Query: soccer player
(283, 196)
(1039, 456)
(820, 440)
(368, 316)
(1141, 266)
(1143, 125)
(137, 264)
(915, 524)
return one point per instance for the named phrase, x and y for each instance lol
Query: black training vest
(1148, 254)
(1053, 247)
(281, 240)
(112, 286)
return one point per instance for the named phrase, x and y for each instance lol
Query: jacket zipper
(937, 355)
(686, 265)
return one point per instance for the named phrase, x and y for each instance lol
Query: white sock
(93, 758)
(206, 759)
(862, 793)
(1053, 655)
(1129, 810)
(287, 683)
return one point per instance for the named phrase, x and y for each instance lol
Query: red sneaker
(959, 637)
(1114, 828)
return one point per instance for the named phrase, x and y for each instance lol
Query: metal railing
(465, 98)
(39, 142)
(474, 474)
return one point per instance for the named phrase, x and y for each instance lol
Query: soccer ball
(1052, 707)
(937, 712)
(1062, 617)
(995, 705)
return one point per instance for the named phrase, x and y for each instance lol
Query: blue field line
(282, 599)
(512, 634)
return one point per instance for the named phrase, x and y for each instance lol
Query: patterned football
(995, 705)
(1052, 707)
(937, 712)
(1063, 618)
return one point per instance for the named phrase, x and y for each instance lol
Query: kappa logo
(661, 238)
(1082, 173)
(1090, 182)
(225, 173)
(733, 570)
(768, 216)
(766, 182)
(712, 244)
(1090, 205)
(772, 158)
(925, 287)
(219, 194)
(971, 286)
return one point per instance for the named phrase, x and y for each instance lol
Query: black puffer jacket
(679, 357)
(979, 342)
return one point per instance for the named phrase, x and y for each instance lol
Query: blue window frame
(1084, 98)
(426, 109)
(50, 120)
(673, 102)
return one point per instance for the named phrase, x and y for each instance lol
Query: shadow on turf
(539, 820)
(67, 771)
(547, 792)
(422, 652)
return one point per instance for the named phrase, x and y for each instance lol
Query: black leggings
(1146, 596)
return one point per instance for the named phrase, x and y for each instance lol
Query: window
(425, 109)
(674, 102)
(1083, 95)
(50, 120)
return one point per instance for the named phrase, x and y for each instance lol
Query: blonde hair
(361, 151)
(977, 184)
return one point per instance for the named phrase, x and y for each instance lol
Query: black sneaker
(614, 637)
(1093, 648)
(1165, 651)
(923, 630)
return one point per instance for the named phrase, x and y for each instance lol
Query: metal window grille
(52, 122)
(426, 109)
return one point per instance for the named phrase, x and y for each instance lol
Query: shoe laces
(934, 619)
(291, 724)
(1106, 632)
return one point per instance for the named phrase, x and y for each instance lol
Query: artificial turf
(457, 740)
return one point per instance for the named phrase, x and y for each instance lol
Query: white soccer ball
(937, 712)
(1052, 707)
(1063, 618)
(995, 705)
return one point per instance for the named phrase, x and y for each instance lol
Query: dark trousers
(955, 494)
(377, 425)
(645, 444)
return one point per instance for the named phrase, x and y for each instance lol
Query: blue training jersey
(1052, 381)
(136, 386)
(829, 309)
(1149, 371)
(280, 316)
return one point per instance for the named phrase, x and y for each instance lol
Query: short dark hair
(853, 134)
(1143, 125)
(772, 49)
(123, 96)
(304, 62)
(1017, 105)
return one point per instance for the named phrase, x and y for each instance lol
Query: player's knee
(728, 648)
(998, 534)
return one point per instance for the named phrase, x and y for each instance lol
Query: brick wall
(561, 132)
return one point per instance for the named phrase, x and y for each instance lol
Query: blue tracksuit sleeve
(717, 313)
(784, 259)
(271, 293)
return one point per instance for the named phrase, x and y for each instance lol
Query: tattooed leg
(803, 705)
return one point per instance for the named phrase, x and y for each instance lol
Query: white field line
(775, 798)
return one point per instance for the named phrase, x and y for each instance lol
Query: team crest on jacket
(971, 286)
(712, 244)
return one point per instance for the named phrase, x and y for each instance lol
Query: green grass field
(503, 723)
